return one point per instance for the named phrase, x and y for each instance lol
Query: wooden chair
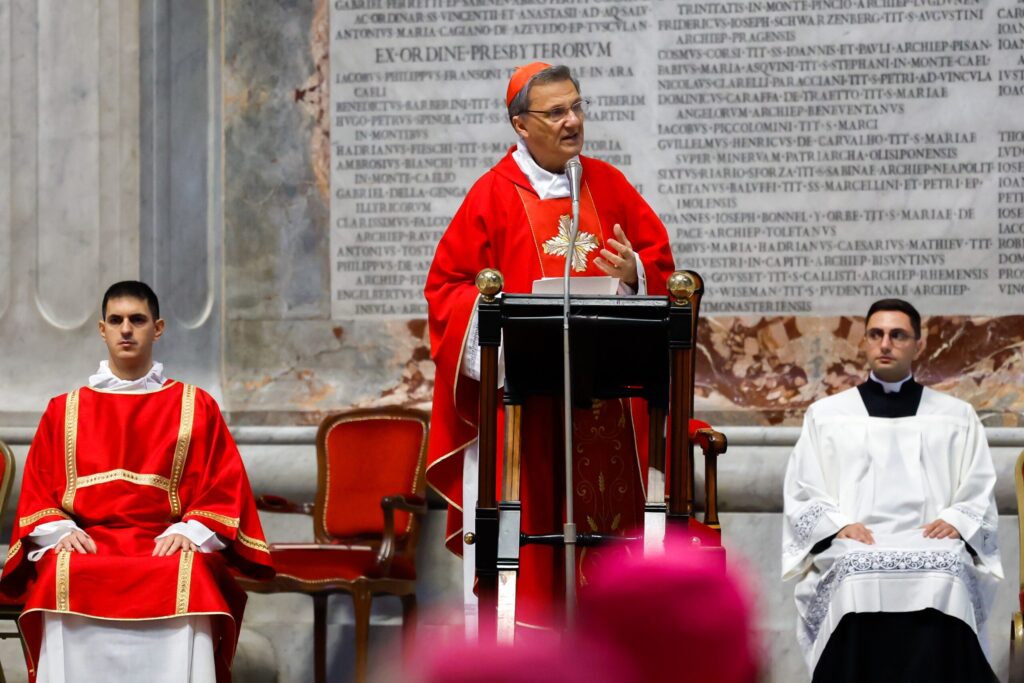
(8, 610)
(1017, 623)
(370, 486)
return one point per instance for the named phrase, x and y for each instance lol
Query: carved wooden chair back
(363, 456)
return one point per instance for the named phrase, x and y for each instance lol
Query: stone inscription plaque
(806, 156)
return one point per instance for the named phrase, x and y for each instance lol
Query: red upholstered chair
(1017, 624)
(370, 485)
(8, 610)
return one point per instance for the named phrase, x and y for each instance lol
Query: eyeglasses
(559, 114)
(898, 337)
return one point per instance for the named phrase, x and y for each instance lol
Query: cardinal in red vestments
(135, 510)
(516, 218)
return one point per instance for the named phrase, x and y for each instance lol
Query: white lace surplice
(892, 475)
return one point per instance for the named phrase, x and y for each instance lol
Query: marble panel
(295, 371)
(69, 172)
(118, 100)
(5, 158)
(188, 243)
(286, 361)
(276, 250)
(181, 226)
(768, 370)
(751, 370)
(754, 371)
(72, 192)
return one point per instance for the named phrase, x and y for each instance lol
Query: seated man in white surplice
(890, 523)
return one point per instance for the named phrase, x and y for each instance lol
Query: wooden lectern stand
(660, 334)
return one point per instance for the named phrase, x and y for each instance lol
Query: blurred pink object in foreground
(546, 659)
(677, 617)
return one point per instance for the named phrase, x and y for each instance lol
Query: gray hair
(553, 74)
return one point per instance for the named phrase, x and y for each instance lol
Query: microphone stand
(574, 171)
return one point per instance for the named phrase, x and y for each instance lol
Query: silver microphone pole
(574, 171)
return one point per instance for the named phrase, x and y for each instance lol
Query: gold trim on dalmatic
(223, 519)
(155, 480)
(253, 543)
(13, 550)
(63, 581)
(188, 405)
(36, 516)
(184, 581)
(70, 444)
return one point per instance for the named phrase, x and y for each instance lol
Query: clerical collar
(546, 184)
(890, 387)
(898, 399)
(107, 381)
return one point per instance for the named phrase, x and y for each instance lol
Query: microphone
(574, 172)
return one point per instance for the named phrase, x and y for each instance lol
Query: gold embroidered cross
(559, 244)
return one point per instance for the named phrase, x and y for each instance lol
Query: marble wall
(768, 370)
(285, 360)
(181, 229)
(69, 187)
(187, 142)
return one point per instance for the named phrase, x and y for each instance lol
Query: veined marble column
(69, 184)
(109, 169)
(181, 227)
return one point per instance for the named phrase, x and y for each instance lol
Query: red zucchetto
(521, 77)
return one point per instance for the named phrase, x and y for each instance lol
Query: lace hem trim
(886, 562)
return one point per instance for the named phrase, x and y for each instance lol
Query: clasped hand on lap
(860, 533)
(79, 541)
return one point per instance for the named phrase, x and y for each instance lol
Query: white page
(598, 284)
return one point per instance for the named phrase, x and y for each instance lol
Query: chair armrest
(415, 505)
(270, 503)
(710, 439)
(713, 443)
(406, 503)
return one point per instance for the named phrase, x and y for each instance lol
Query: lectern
(659, 335)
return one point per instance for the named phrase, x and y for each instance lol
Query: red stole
(607, 478)
(551, 221)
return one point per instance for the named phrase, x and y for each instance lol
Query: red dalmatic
(124, 466)
(503, 224)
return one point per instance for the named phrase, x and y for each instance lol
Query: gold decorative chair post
(1017, 622)
(489, 282)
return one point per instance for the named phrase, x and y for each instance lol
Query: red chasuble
(124, 466)
(503, 224)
